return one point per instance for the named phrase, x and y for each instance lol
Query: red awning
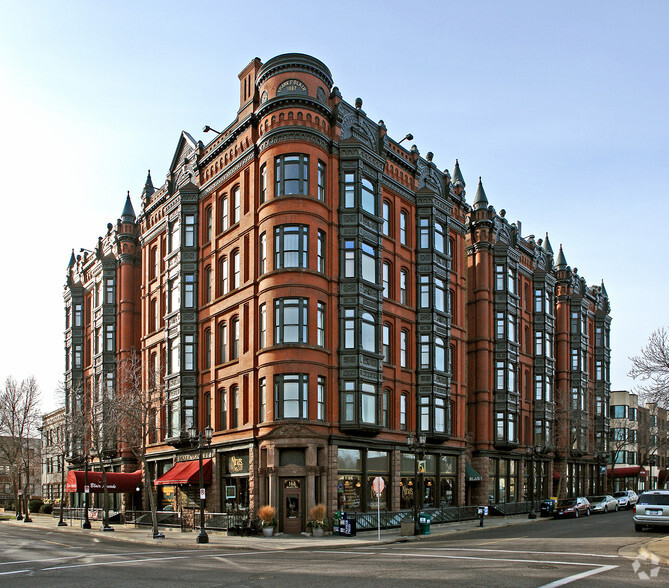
(116, 481)
(627, 472)
(186, 472)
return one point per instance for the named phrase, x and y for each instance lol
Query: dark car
(572, 507)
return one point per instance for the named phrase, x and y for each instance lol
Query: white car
(604, 503)
(626, 498)
(652, 510)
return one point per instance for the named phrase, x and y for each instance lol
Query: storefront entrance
(291, 506)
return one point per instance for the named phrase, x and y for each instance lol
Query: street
(593, 551)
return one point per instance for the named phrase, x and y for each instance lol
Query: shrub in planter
(34, 504)
(317, 521)
(267, 514)
(46, 509)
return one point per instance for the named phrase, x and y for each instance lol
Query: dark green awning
(471, 475)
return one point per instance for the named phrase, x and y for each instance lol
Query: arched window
(386, 218)
(207, 284)
(223, 404)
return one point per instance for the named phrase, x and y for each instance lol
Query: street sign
(87, 489)
(421, 466)
(378, 485)
(203, 493)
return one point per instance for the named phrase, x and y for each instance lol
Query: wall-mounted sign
(236, 464)
(230, 492)
(291, 484)
(291, 87)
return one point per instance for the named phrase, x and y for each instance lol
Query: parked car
(652, 510)
(626, 498)
(603, 503)
(572, 507)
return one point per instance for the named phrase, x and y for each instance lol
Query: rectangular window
(538, 387)
(236, 205)
(189, 230)
(538, 299)
(538, 343)
(321, 251)
(512, 378)
(349, 328)
(499, 325)
(224, 277)
(322, 178)
(236, 270)
(403, 286)
(262, 268)
(512, 329)
(189, 352)
(385, 417)
(291, 246)
(175, 298)
(223, 403)
(234, 349)
(291, 393)
(386, 218)
(208, 226)
(404, 337)
(424, 351)
(368, 403)
(263, 326)
(403, 227)
(349, 190)
(499, 278)
(320, 399)
(424, 291)
(291, 320)
(291, 175)
(439, 295)
(499, 425)
(385, 279)
(174, 236)
(499, 375)
(262, 400)
(110, 291)
(207, 348)
(403, 412)
(349, 402)
(263, 183)
(511, 280)
(225, 214)
(424, 233)
(78, 315)
(574, 359)
(320, 324)
(235, 406)
(368, 200)
(386, 343)
(189, 290)
(368, 263)
(349, 259)
(78, 355)
(439, 415)
(439, 232)
(424, 416)
(109, 337)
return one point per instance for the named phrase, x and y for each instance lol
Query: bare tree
(139, 405)
(651, 366)
(19, 422)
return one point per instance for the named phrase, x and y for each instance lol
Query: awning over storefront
(627, 472)
(471, 475)
(186, 472)
(116, 481)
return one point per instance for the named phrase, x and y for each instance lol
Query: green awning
(471, 475)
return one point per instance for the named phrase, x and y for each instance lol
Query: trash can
(548, 507)
(424, 521)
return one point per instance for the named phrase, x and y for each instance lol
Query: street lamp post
(19, 499)
(529, 450)
(417, 443)
(201, 440)
(61, 521)
(87, 522)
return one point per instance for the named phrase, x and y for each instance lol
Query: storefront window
(349, 492)
(378, 465)
(447, 480)
(235, 481)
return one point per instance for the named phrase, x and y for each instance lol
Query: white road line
(574, 578)
(83, 555)
(193, 555)
(14, 572)
(519, 551)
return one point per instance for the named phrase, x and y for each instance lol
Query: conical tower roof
(148, 187)
(604, 292)
(480, 200)
(73, 260)
(457, 180)
(128, 214)
(561, 261)
(547, 245)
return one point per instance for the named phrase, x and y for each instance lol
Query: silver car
(652, 510)
(603, 503)
(626, 498)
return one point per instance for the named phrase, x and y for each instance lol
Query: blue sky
(561, 107)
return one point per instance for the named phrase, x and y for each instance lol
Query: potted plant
(317, 520)
(267, 514)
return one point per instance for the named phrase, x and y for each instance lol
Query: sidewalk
(176, 538)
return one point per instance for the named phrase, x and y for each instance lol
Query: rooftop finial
(480, 200)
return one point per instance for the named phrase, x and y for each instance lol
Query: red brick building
(316, 293)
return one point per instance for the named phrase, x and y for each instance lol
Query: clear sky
(561, 107)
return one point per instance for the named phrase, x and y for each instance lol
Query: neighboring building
(54, 448)
(317, 294)
(12, 475)
(639, 445)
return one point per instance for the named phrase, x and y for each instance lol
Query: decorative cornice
(245, 158)
(294, 133)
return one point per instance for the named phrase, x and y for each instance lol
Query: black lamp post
(201, 440)
(417, 443)
(529, 450)
(61, 521)
(87, 522)
(27, 518)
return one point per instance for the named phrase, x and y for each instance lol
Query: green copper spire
(128, 214)
(480, 200)
(458, 180)
(561, 262)
(547, 245)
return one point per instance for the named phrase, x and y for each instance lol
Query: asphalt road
(593, 551)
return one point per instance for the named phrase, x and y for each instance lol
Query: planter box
(406, 528)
